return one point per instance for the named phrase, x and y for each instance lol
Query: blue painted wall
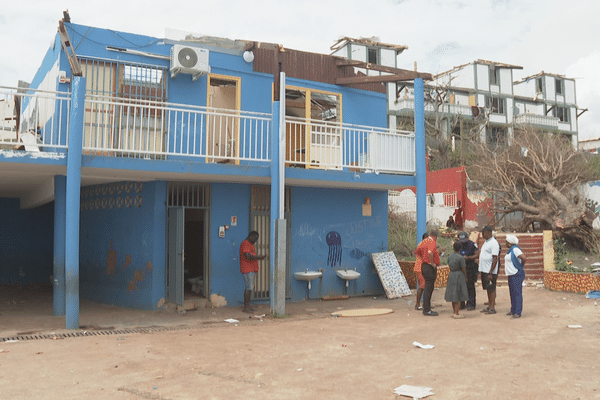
(315, 213)
(228, 200)
(122, 244)
(319, 212)
(26, 243)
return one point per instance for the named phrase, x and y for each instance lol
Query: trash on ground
(416, 392)
(593, 294)
(424, 346)
(231, 320)
(574, 326)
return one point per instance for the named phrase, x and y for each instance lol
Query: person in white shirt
(488, 267)
(514, 266)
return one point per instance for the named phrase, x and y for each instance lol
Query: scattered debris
(231, 320)
(574, 326)
(416, 392)
(423, 346)
(593, 294)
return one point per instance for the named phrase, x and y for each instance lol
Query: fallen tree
(539, 175)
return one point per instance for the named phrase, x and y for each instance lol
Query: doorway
(187, 242)
(223, 119)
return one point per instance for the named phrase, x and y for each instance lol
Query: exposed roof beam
(406, 76)
(377, 67)
(582, 111)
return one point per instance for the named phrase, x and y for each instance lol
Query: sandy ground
(313, 355)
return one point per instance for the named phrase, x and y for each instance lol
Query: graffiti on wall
(138, 274)
(334, 241)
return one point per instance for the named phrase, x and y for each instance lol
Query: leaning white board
(393, 280)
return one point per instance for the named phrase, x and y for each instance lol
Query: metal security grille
(118, 115)
(260, 218)
(189, 195)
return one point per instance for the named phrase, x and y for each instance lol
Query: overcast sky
(555, 36)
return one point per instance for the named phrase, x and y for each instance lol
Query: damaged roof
(483, 62)
(372, 41)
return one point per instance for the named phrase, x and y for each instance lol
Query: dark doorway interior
(194, 268)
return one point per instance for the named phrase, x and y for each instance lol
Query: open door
(175, 259)
(223, 119)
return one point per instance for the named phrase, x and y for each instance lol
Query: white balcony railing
(333, 145)
(454, 109)
(33, 120)
(147, 129)
(534, 119)
(124, 127)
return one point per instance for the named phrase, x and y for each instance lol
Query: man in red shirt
(430, 259)
(249, 267)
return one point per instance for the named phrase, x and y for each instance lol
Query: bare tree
(442, 123)
(539, 175)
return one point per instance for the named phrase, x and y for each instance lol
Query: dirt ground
(308, 355)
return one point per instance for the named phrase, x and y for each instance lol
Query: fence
(34, 119)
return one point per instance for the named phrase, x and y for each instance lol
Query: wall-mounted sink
(347, 275)
(308, 276)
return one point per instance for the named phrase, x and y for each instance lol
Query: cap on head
(463, 237)
(512, 239)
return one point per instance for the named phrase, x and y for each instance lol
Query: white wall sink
(347, 275)
(308, 276)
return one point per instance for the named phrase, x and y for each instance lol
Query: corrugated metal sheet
(309, 66)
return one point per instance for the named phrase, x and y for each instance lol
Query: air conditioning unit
(189, 60)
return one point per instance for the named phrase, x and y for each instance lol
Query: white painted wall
(483, 77)
(506, 84)
(388, 57)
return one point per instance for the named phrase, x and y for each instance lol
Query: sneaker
(485, 310)
(516, 316)
(490, 311)
(430, 313)
(459, 316)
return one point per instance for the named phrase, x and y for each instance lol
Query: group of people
(466, 264)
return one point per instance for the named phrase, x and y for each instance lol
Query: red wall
(455, 180)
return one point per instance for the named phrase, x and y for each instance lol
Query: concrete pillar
(60, 208)
(73, 188)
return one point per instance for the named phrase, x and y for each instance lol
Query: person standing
(430, 258)
(456, 288)
(420, 278)
(249, 267)
(458, 216)
(488, 266)
(514, 266)
(470, 251)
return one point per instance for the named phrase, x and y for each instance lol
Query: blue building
(138, 165)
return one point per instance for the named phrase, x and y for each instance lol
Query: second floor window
(372, 56)
(496, 104)
(494, 76)
(558, 84)
(562, 113)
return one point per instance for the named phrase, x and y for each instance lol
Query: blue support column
(421, 167)
(60, 208)
(274, 200)
(73, 201)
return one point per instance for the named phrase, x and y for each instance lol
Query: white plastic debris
(423, 346)
(574, 326)
(231, 320)
(416, 392)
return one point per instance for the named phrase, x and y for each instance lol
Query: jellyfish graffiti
(334, 241)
